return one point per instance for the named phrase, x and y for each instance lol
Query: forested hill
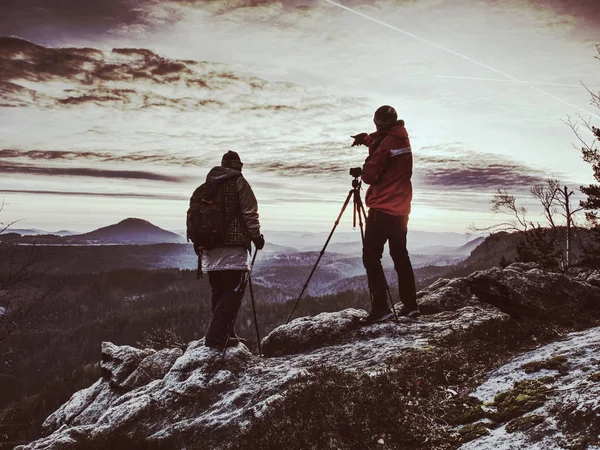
(502, 248)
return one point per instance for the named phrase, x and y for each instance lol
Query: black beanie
(385, 116)
(232, 160)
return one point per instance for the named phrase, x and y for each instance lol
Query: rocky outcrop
(548, 398)
(193, 399)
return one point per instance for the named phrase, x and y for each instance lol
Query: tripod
(358, 210)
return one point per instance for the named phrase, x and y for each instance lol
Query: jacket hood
(219, 174)
(396, 130)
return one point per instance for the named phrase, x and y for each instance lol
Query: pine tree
(591, 154)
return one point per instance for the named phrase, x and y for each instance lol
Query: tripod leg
(321, 254)
(361, 211)
(359, 206)
(389, 295)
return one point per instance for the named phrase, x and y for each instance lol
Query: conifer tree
(591, 154)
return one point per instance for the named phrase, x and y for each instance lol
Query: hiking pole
(253, 304)
(322, 252)
(245, 282)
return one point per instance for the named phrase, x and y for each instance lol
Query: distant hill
(490, 251)
(128, 231)
(35, 231)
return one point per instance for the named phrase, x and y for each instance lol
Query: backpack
(206, 224)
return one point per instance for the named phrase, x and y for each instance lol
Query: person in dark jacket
(227, 264)
(388, 171)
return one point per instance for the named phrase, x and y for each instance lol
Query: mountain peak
(130, 231)
(134, 221)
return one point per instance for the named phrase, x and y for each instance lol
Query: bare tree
(556, 201)
(505, 203)
(22, 289)
(5, 226)
(542, 243)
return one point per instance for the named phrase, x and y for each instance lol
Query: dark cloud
(25, 169)
(140, 157)
(91, 75)
(491, 177)
(588, 10)
(454, 168)
(297, 168)
(98, 194)
(49, 20)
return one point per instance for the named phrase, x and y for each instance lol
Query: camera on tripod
(356, 172)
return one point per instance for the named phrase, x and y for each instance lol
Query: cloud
(46, 20)
(138, 157)
(492, 176)
(589, 10)
(36, 18)
(98, 194)
(25, 169)
(455, 168)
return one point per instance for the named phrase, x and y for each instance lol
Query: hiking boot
(409, 312)
(379, 316)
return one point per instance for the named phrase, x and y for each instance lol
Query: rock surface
(192, 399)
(568, 415)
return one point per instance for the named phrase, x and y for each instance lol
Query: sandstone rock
(571, 409)
(192, 399)
(152, 367)
(118, 363)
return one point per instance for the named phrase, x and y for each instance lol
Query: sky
(90, 135)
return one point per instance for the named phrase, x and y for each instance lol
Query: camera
(356, 172)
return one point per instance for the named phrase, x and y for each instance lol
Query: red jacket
(388, 170)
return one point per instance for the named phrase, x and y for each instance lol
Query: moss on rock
(525, 396)
(524, 423)
(595, 377)
(559, 363)
(463, 410)
(472, 431)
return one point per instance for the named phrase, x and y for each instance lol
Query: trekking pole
(321, 254)
(238, 307)
(253, 304)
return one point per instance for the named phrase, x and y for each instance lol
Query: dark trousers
(227, 290)
(382, 228)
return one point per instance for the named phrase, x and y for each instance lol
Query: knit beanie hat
(232, 160)
(385, 116)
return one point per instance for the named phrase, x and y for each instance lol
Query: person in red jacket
(388, 170)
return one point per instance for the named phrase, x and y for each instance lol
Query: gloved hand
(259, 242)
(359, 139)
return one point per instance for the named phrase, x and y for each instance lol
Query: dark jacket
(240, 205)
(388, 170)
